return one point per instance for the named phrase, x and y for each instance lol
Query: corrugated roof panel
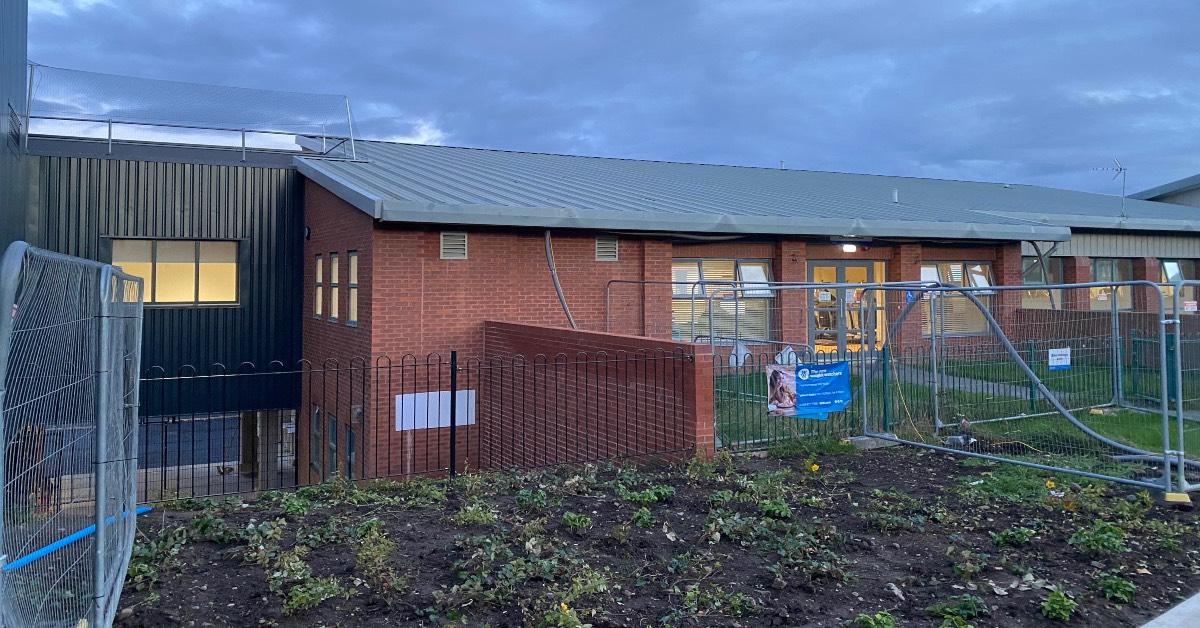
(419, 183)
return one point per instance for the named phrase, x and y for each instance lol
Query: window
(1178, 270)
(319, 289)
(333, 287)
(1111, 269)
(314, 441)
(331, 461)
(181, 272)
(957, 315)
(352, 289)
(746, 316)
(1032, 275)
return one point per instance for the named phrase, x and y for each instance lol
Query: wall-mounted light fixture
(849, 248)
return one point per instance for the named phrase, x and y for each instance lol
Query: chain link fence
(70, 347)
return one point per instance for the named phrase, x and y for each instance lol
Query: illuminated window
(1174, 270)
(746, 316)
(1032, 274)
(333, 287)
(352, 289)
(957, 315)
(319, 287)
(1105, 269)
(181, 272)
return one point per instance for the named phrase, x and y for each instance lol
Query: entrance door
(833, 313)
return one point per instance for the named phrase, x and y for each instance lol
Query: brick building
(414, 249)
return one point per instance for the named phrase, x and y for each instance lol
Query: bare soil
(794, 540)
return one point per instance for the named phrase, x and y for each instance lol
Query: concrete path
(1186, 615)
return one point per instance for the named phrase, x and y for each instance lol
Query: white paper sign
(1060, 359)
(824, 296)
(418, 411)
(1189, 306)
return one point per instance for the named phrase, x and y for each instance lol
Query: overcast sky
(1029, 91)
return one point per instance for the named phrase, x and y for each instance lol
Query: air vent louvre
(606, 249)
(454, 245)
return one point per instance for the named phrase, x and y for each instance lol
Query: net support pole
(350, 125)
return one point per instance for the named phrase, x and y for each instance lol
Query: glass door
(835, 320)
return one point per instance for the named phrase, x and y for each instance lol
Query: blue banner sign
(808, 391)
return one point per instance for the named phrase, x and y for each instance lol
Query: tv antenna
(1118, 171)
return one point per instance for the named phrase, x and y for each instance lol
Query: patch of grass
(889, 523)
(1058, 606)
(653, 495)
(807, 448)
(151, 556)
(308, 595)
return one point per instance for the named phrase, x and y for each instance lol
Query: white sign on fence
(1060, 359)
(1189, 306)
(418, 411)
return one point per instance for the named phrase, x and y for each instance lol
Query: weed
(1058, 606)
(289, 569)
(372, 558)
(730, 525)
(1099, 539)
(309, 594)
(149, 558)
(575, 522)
(474, 512)
(882, 619)
(1012, 537)
(189, 504)
(210, 527)
(707, 599)
(955, 622)
(1115, 588)
(531, 500)
(262, 541)
(653, 495)
(888, 523)
(775, 509)
(723, 496)
(620, 533)
(421, 492)
(764, 485)
(963, 607)
(562, 616)
(894, 501)
(642, 518)
(295, 504)
(968, 564)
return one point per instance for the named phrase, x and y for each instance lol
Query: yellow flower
(1050, 484)
(814, 467)
(562, 606)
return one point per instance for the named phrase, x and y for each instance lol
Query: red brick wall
(622, 396)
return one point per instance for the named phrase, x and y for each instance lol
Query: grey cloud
(1024, 91)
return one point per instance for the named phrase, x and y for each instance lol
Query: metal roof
(1182, 185)
(468, 186)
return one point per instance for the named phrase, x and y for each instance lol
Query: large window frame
(209, 259)
(1176, 269)
(754, 305)
(963, 316)
(1032, 275)
(1111, 269)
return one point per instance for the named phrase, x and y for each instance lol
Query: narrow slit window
(352, 289)
(333, 287)
(319, 288)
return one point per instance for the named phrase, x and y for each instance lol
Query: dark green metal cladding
(12, 109)
(82, 203)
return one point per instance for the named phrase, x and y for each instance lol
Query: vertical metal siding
(13, 186)
(82, 202)
(1128, 244)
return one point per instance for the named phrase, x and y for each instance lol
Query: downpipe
(562, 299)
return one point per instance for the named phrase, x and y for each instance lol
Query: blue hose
(65, 541)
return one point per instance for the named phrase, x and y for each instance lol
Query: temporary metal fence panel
(410, 416)
(1183, 378)
(69, 352)
(974, 371)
